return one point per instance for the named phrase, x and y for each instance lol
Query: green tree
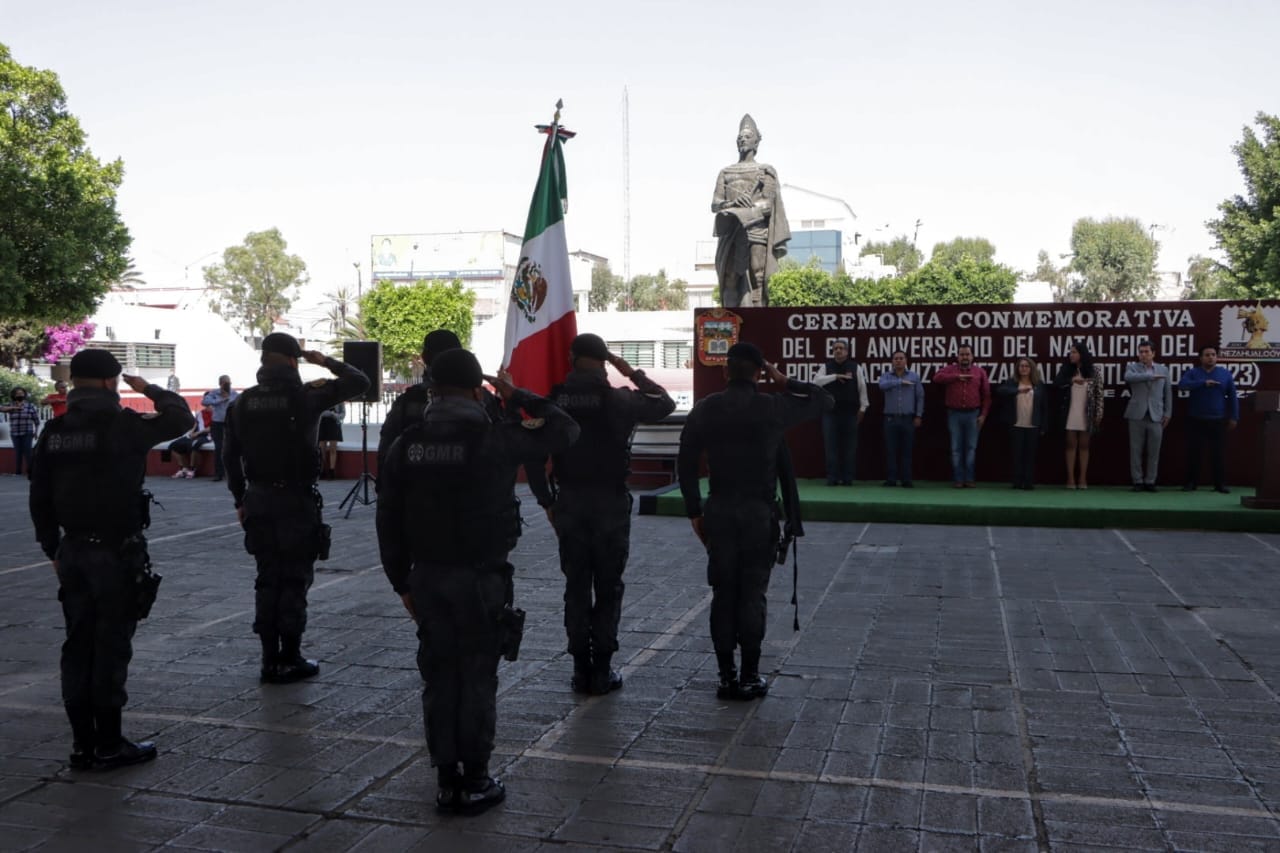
(20, 339)
(949, 253)
(968, 280)
(399, 315)
(345, 322)
(1056, 276)
(605, 288)
(797, 286)
(1208, 279)
(655, 293)
(1248, 230)
(899, 252)
(256, 282)
(62, 242)
(1115, 260)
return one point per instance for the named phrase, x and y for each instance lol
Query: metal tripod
(355, 496)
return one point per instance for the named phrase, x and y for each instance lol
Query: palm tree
(345, 323)
(131, 278)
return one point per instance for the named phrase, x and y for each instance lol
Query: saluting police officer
(444, 520)
(740, 430)
(591, 509)
(272, 465)
(89, 510)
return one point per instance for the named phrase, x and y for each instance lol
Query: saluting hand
(313, 357)
(775, 375)
(137, 383)
(502, 384)
(620, 364)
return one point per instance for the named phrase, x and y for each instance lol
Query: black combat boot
(604, 679)
(111, 749)
(751, 685)
(581, 681)
(479, 791)
(449, 797)
(270, 656)
(82, 734)
(728, 688)
(291, 666)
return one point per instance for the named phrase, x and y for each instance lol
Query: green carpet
(999, 505)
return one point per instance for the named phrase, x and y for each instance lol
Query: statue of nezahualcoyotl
(750, 222)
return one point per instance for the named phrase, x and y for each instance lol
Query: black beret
(747, 352)
(456, 368)
(282, 344)
(589, 346)
(94, 364)
(441, 340)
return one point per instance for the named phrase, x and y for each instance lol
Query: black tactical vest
(846, 394)
(272, 423)
(416, 398)
(741, 455)
(602, 454)
(459, 497)
(97, 484)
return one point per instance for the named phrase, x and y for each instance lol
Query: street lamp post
(359, 280)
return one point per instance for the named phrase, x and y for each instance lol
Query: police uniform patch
(317, 383)
(533, 423)
(415, 452)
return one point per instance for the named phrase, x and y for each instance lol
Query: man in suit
(1150, 403)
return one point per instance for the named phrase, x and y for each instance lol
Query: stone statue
(751, 224)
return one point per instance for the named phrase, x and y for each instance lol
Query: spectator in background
(1150, 404)
(187, 448)
(218, 399)
(1080, 382)
(57, 401)
(1212, 409)
(24, 420)
(903, 410)
(968, 399)
(330, 434)
(173, 383)
(1026, 413)
(846, 381)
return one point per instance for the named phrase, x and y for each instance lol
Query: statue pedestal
(1267, 495)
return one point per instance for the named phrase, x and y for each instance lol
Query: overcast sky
(337, 120)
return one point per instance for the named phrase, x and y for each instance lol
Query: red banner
(1247, 335)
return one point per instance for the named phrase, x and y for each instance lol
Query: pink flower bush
(65, 340)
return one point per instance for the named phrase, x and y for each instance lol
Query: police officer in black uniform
(740, 431)
(591, 509)
(89, 510)
(445, 522)
(272, 464)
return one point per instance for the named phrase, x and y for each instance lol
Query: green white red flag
(540, 316)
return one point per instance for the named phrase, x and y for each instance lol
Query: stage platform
(996, 504)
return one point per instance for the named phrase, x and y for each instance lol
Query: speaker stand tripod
(359, 493)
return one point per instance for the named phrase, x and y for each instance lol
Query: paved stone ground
(952, 688)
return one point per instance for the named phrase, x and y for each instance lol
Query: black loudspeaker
(367, 356)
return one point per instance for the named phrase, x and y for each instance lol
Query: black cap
(282, 344)
(589, 346)
(94, 364)
(456, 368)
(747, 352)
(441, 340)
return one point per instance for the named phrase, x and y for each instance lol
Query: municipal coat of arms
(529, 290)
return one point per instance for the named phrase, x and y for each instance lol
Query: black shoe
(833, 482)
(124, 755)
(751, 687)
(1222, 490)
(1138, 487)
(605, 682)
(1189, 487)
(287, 672)
(907, 484)
(581, 680)
(476, 797)
(81, 758)
(889, 483)
(728, 687)
(1150, 487)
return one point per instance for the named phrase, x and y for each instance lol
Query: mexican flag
(540, 318)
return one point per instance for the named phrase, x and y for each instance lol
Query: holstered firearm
(511, 624)
(133, 553)
(792, 527)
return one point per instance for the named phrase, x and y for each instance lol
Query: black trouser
(216, 430)
(741, 539)
(458, 607)
(1024, 440)
(281, 529)
(594, 529)
(1202, 432)
(97, 591)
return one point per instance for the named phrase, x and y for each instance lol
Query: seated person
(187, 448)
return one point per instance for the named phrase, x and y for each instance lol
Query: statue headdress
(748, 123)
